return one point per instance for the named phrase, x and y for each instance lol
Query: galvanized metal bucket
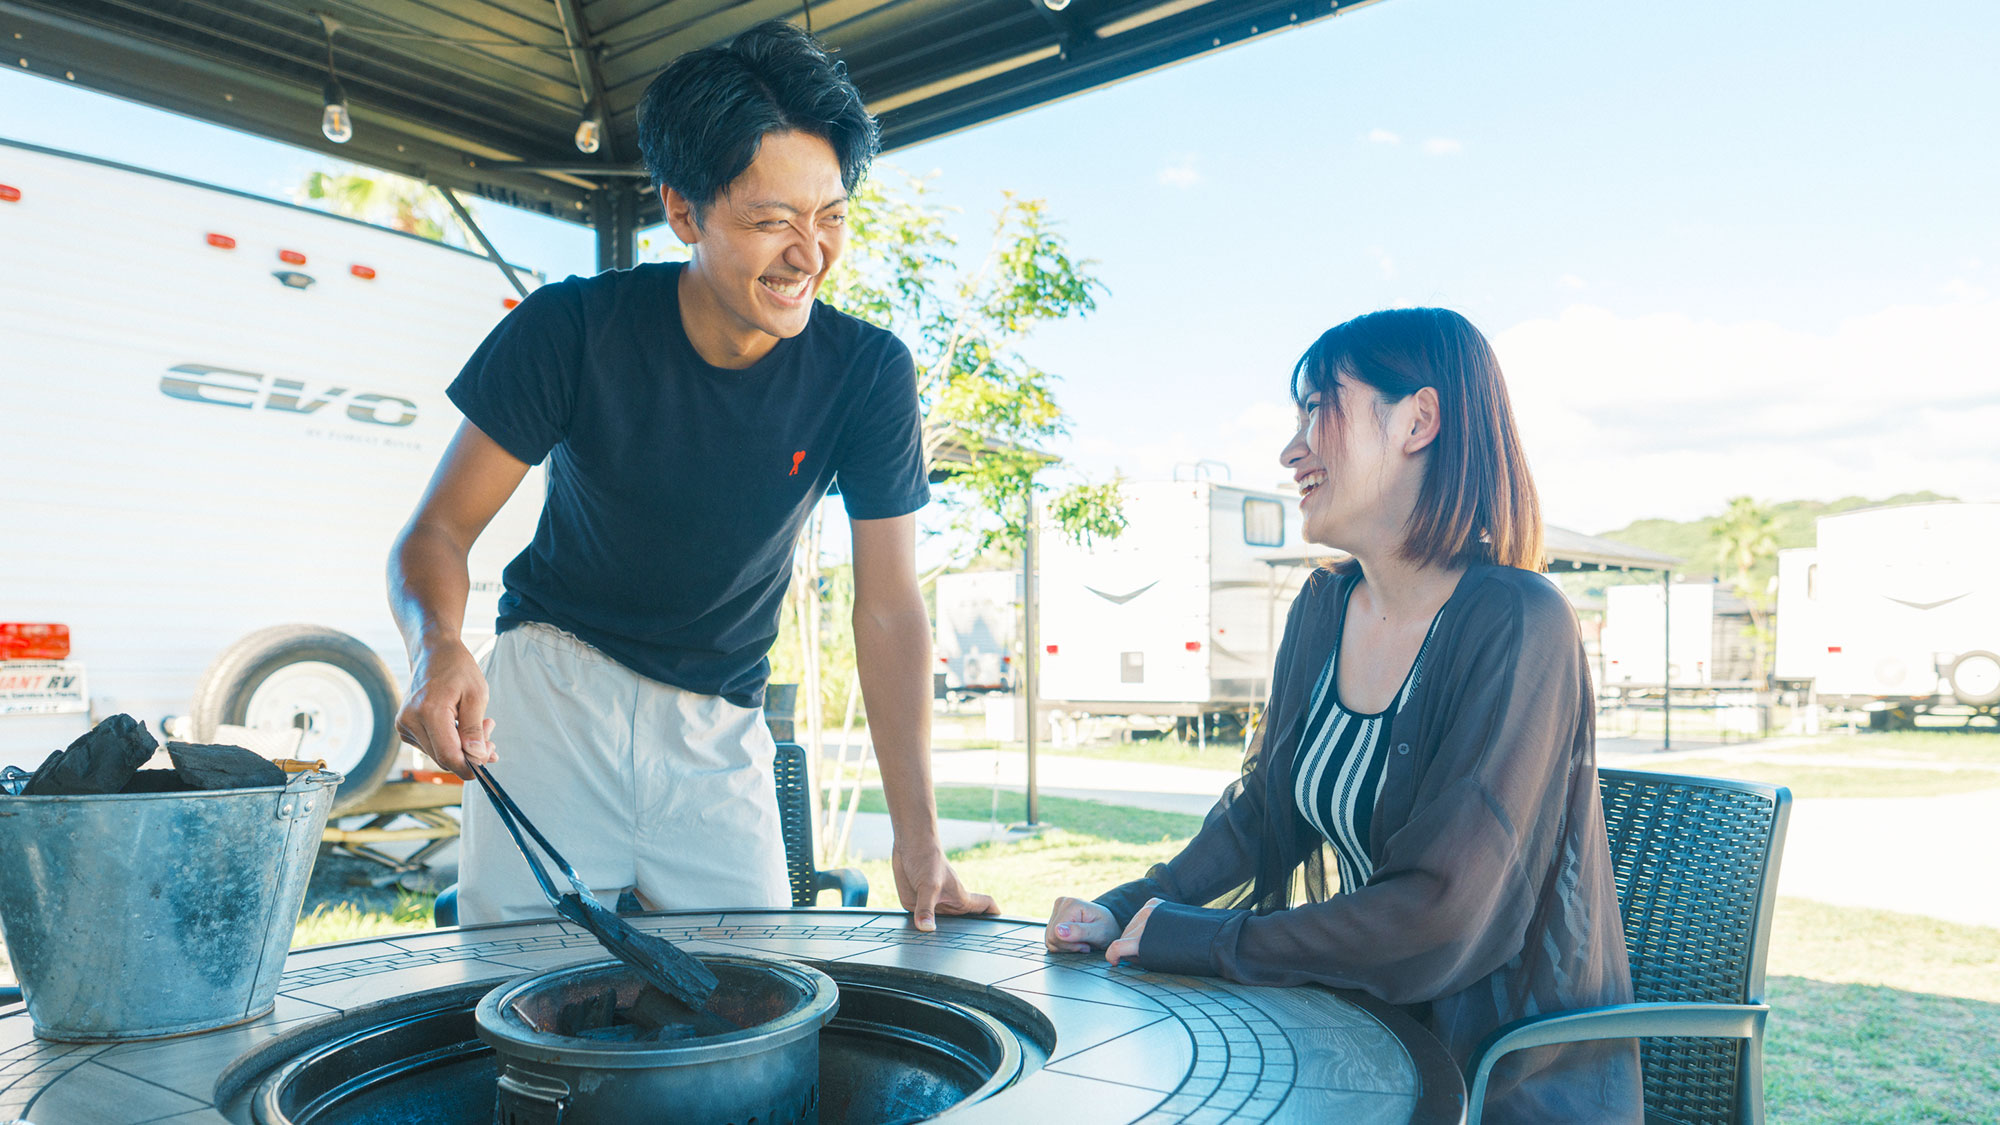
(138, 916)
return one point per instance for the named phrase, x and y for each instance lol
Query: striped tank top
(1340, 762)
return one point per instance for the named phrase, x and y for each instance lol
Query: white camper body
(1633, 647)
(978, 616)
(1179, 615)
(219, 412)
(1895, 608)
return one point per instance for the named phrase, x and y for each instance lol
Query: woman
(1430, 724)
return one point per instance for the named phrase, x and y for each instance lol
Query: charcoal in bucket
(146, 914)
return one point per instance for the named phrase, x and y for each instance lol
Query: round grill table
(1131, 1046)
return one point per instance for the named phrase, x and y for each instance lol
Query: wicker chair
(794, 822)
(1696, 861)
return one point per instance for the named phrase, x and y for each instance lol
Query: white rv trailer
(978, 614)
(1179, 615)
(218, 411)
(1895, 610)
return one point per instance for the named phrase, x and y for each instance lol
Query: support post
(1031, 636)
(1667, 660)
(614, 213)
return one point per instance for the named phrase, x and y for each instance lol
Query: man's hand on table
(927, 886)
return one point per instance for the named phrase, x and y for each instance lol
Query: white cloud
(1442, 146)
(1248, 443)
(1664, 415)
(1182, 173)
(1383, 137)
(1383, 261)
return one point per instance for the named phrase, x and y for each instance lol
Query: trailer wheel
(319, 680)
(1975, 678)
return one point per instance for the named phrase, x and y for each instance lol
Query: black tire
(1964, 668)
(368, 750)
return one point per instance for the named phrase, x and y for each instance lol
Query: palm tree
(1745, 538)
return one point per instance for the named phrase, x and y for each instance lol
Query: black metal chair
(794, 822)
(1696, 862)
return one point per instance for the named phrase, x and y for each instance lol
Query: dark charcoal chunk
(156, 781)
(101, 761)
(222, 767)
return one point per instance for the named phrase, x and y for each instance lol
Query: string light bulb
(335, 123)
(1055, 5)
(590, 130)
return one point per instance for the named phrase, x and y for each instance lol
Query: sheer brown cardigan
(1492, 897)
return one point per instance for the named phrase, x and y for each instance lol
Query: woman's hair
(701, 121)
(1477, 502)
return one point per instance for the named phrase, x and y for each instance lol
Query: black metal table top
(1133, 1046)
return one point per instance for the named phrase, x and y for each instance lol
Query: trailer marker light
(1194, 646)
(292, 257)
(1052, 650)
(10, 194)
(222, 242)
(508, 302)
(365, 273)
(1833, 648)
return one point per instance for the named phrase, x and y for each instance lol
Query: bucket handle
(295, 803)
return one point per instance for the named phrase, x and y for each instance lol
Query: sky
(1721, 249)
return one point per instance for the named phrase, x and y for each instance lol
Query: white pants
(640, 785)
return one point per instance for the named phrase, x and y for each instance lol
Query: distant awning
(1573, 550)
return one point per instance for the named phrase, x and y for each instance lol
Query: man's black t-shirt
(676, 490)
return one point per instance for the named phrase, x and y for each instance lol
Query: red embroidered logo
(797, 460)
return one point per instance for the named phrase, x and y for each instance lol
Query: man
(691, 417)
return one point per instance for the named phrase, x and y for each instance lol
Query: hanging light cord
(328, 24)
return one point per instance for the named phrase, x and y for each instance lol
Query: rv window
(1263, 523)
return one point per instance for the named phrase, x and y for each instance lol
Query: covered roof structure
(485, 96)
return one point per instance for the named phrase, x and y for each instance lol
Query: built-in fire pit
(974, 1024)
(592, 1044)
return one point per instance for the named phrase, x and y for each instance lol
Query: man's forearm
(893, 654)
(429, 580)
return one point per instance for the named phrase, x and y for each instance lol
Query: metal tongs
(659, 962)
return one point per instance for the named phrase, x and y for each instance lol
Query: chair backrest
(795, 821)
(1696, 861)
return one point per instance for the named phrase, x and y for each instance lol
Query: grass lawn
(1834, 781)
(1900, 764)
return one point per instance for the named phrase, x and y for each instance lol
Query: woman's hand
(1127, 945)
(1079, 926)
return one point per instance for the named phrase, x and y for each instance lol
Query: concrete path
(1918, 855)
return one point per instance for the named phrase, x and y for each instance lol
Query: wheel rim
(324, 700)
(1976, 677)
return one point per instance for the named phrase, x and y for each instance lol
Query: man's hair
(1477, 502)
(702, 120)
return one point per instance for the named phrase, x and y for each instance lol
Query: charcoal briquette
(102, 761)
(204, 766)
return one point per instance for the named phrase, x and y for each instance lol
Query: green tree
(987, 409)
(382, 198)
(1745, 539)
